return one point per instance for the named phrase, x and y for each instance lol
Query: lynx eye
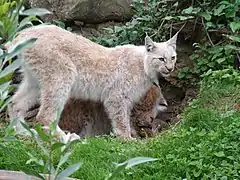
(173, 57)
(161, 59)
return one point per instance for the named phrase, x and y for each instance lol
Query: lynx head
(160, 57)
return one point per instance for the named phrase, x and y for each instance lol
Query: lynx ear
(149, 44)
(173, 41)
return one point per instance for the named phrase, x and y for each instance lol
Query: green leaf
(209, 25)
(2, 56)
(34, 159)
(208, 72)
(224, 178)
(219, 154)
(5, 104)
(20, 47)
(69, 145)
(235, 26)
(4, 86)
(36, 12)
(62, 160)
(10, 131)
(226, 76)
(118, 29)
(27, 128)
(117, 171)
(230, 14)
(183, 18)
(137, 160)
(181, 75)
(220, 60)
(169, 18)
(57, 145)
(127, 164)
(41, 133)
(67, 172)
(197, 173)
(54, 124)
(219, 10)
(26, 21)
(109, 30)
(233, 38)
(225, 2)
(231, 47)
(211, 64)
(206, 15)
(188, 10)
(60, 23)
(11, 68)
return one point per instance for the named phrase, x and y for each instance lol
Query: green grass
(206, 145)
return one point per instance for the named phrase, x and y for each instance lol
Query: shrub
(9, 27)
(148, 18)
(221, 23)
(219, 20)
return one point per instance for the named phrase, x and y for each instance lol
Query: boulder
(87, 11)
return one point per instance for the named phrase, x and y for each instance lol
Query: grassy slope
(206, 145)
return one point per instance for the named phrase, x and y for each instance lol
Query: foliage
(148, 18)
(9, 27)
(221, 23)
(228, 75)
(48, 144)
(61, 25)
(10, 12)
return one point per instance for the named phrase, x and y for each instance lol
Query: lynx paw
(124, 135)
(19, 129)
(63, 137)
(14, 112)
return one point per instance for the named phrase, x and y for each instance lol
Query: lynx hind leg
(25, 98)
(54, 95)
(119, 113)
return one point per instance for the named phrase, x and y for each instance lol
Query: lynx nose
(169, 68)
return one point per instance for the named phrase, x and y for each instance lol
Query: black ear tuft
(149, 44)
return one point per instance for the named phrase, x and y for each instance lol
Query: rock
(96, 30)
(87, 11)
(13, 175)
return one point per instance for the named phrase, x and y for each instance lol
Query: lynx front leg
(119, 113)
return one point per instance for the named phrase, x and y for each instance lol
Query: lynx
(61, 65)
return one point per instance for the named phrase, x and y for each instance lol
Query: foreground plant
(48, 143)
(9, 27)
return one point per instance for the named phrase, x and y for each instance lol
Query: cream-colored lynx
(62, 65)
